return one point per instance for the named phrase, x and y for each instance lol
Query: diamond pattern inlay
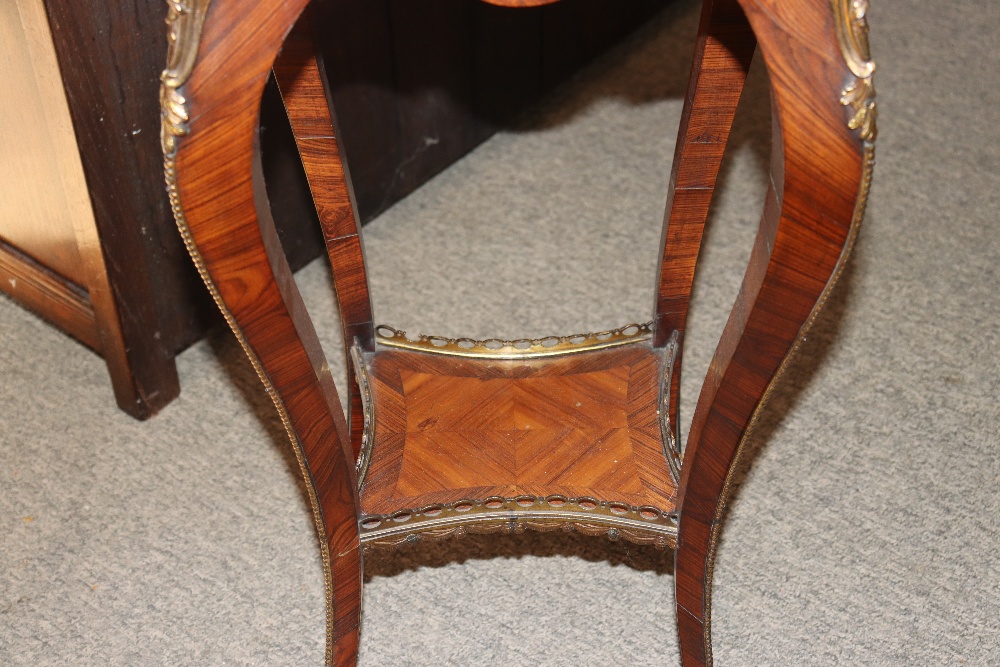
(450, 428)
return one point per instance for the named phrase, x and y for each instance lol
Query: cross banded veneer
(579, 432)
(488, 442)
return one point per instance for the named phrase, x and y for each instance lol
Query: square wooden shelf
(571, 439)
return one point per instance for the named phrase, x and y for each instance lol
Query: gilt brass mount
(495, 348)
(859, 94)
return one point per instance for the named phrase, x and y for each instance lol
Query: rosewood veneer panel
(579, 425)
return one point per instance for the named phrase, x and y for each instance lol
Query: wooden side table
(576, 432)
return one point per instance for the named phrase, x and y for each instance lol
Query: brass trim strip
(368, 411)
(495, 348)
(669, 436)
(642, 524)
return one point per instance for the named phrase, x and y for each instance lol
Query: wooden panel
(48, 295)
(48, 214)
(580, 425)
(42, 184)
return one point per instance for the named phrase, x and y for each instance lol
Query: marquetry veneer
(575, 432)
(497, 442)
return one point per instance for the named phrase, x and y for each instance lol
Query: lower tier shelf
(462, 442)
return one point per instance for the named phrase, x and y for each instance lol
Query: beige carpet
(867, 532)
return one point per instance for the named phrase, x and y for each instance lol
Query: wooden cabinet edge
(88, 312)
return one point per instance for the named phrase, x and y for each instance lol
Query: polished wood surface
(723, 51)
(447, 426)
(237, 250)
(305, 91)
(817, 167)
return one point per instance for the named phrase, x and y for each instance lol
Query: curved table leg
(823, 110)
(723, 53)
(301, 77)
(220, 57)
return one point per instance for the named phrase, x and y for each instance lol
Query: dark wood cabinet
(418, 84)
